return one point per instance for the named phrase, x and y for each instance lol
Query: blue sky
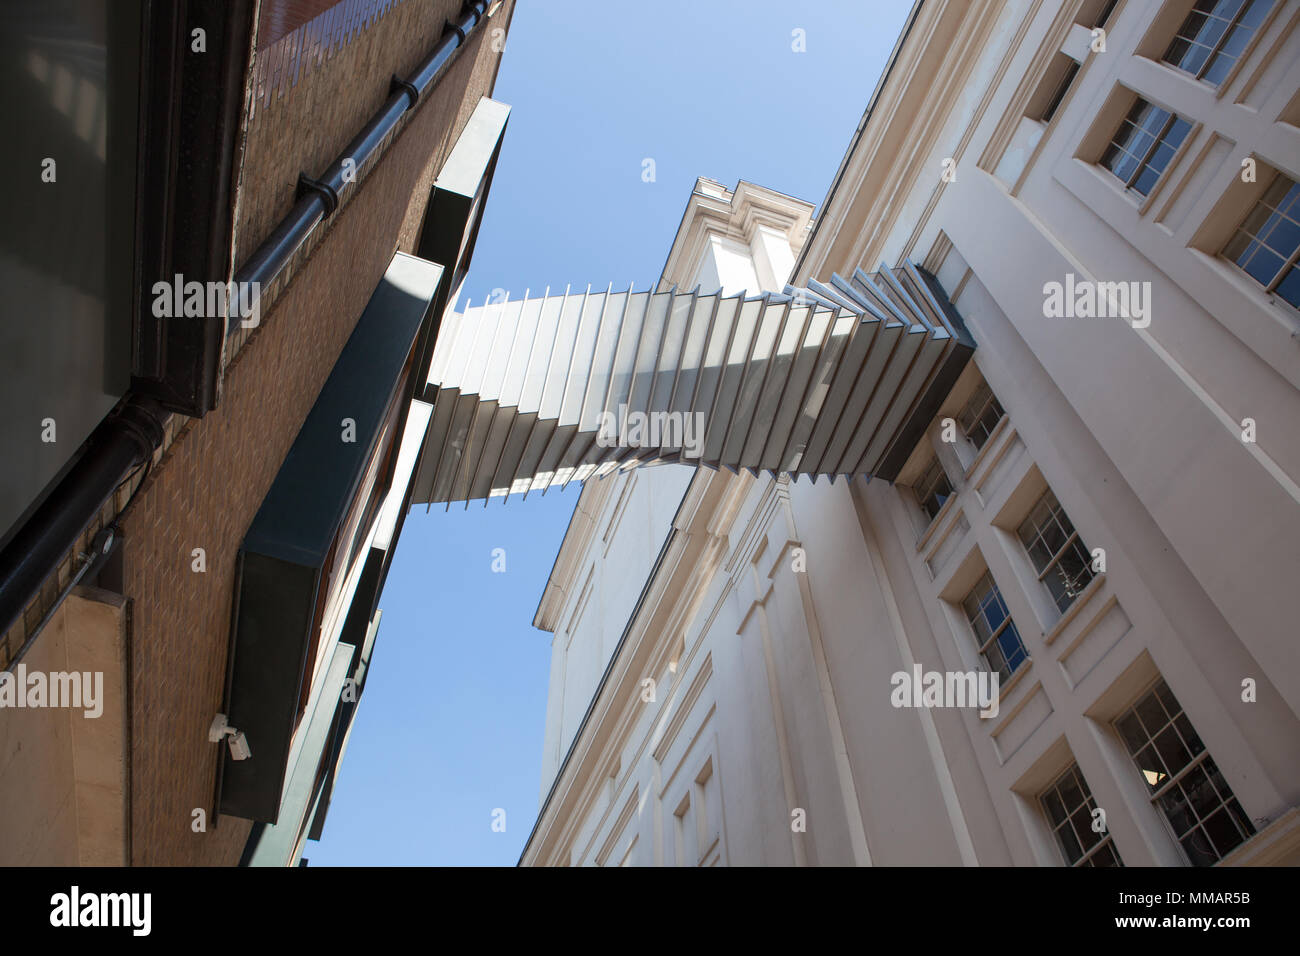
(451, 725)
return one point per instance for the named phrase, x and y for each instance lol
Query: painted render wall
(630, 532)
(1135, 452)
(1128, 429)
(782, 686)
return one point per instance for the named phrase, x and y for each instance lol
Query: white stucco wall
(781, 693)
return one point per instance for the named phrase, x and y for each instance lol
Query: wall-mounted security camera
(234, 738)
(239, 747)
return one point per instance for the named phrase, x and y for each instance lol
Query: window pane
(1173, 803)
(1178, 131)
(1167, 699)
(1289, 288)
(1201, 795)
(1069, 806)
(1161, 156)
(988, 421)
(1153, 715)
(997, 663)
(980, 416)
(1070, 576)
(1199, 850)
(1143, 140)
(1082, 821)
(1211, 30)
(1218, 70)
(1056, 532)
(1013, 649)
(1279, 227)
(1106, 856)
(1223, 832)
(1153, 772)
(1131, 733)
(995, 612)
(1059, 589)
(1055, 809)
(1172, 751)
(1233, 45)
(967, 416)
(932, 488)
(1189, 735)
(1241, 248)
(1146, 179)
(1239, 815)
(1217, 31)
(986, 611)
(1263, 265)
(1200, 808)
(1051, 537)
(1037, 515)
(1278, 191)
(1186, 55)
(1119, 162)
(1268, 238)
(1071, 793)
(1040, 553)
(1065, 568)
(1255, 13)
(1150, 119)
(1069, 843)
(1216, 777)
(1259, 218)
(1283, 237)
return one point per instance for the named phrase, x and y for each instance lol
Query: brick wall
(207, 488)
(306, 125)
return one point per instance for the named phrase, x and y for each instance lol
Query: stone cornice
(713, 210)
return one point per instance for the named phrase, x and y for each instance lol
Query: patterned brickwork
(207, 488)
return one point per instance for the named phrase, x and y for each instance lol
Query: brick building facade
(211, 473)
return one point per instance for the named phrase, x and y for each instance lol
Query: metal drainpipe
(127, 439)
(318, 198)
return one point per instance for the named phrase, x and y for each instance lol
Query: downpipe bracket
(307, 185)
(407, 87)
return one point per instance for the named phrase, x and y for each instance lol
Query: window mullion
(1151, 151)
(1057, 556)
(1223, 39)
(1281, 273)
(1093, 852)
(995, 635)
(1214, 50)
(1176, 778)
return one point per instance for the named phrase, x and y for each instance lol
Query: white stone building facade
(1104, 511)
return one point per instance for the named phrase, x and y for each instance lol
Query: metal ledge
(291, 543)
